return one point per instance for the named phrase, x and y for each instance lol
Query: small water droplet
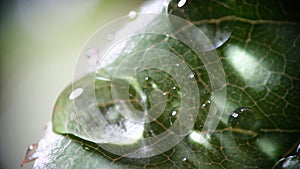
(174, 113)
(192, 75)
(181, 3)
(30, 154)
(75, 93)
(132, 15)
(203, 92)
(177, 64)
(85, 147)
(165, 93)
(146, 78)
(184, 159)
(174, 87)
(244, 123)
(167, 35)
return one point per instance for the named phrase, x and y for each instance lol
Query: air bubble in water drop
(243, 123)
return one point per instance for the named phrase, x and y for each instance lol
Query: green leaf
(259, 125)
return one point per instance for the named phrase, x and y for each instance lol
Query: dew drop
(174, 113)
(146, 78)
(184, 159)
(75, 93)
(174, 87)
(177, 64)
(243, 123)
(192, 75)
(132, 15)
(181, 3)
(85, 147)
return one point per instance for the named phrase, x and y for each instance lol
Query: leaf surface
(258, 44)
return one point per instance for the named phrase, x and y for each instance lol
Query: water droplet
(177, 64)
(243, 123)
(167, 35)
(30, 154)
(85, 147)
(174, 113)
(165, 3)
(165, 93)
(192, 75)
(146, 78)
(181, 3)
(184, 159)
(75, 93)
(110, 36)
(203, 92)
(290, 162)
(132, 15)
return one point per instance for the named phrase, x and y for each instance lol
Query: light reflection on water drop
(181, 3)
(132, 15)
(75, 93)
(192, 75)
(85, 147)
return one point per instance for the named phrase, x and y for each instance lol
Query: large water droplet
(212, 26)
(75, 93)
(243, 123)
(291, 162)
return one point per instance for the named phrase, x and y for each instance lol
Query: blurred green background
(40, 41)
